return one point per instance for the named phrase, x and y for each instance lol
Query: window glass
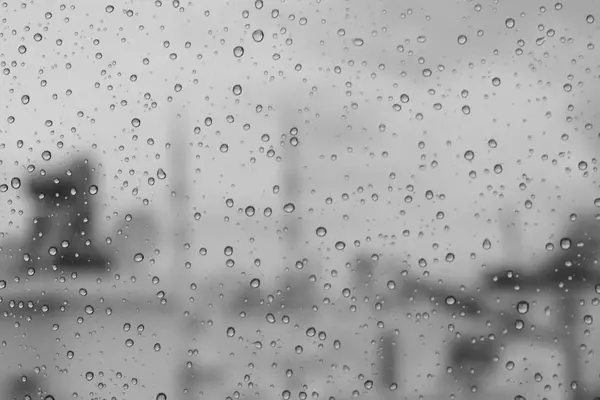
(299, 199)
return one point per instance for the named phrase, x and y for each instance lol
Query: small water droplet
(258, 36)
(238, 51)
(522, 307)
(15, 183)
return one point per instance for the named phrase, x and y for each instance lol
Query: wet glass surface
(299, 200)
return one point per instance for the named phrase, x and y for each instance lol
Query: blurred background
(326, 199)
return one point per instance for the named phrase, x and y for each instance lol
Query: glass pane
(292, 200)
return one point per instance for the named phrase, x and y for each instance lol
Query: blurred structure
(572, 269)
(64, 224)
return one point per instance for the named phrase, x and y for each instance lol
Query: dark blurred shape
(64, 201)
(20, 388)
(571, 268)
(471, 360)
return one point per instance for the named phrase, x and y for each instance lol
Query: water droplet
(89, 310)
(321, 232)
(46, 155)
(89, 375)
(258, 36)
(139, 257)
(238, 51)
(466, 110)
(136, 122)
(358, 42)
(588, 319)
(311, 332)
(237, 90)
(496, 81)
(391, 285)
(565, 243)
(450, 300)
(510, 23)
(369, 384)
(22, 49)
(449, 257)
(93, 189)
(270, 318)
(522, 307)
(340, 245)
(161, 174)
(250, 211)
(25, 99)
(231, 331)
(15, 183)
(590, 19)
(129, 342)
(462, 39)
(486, 244)
(469, 155)
(289, 208)
(255, 283)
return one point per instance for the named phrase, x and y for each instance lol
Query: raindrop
(289, 208)
(565, 243)
(230, 331)
(136, 122)
(590, 19)
(258, 37)
(93, 189)
(255, 283)
(25, 99)
(161, 174)
(391, 285)
(250, 211)
(237, 90)
(139, 257)
(486, 244)
(89, 310)
(238, 51)
(321, 232)
(462, 39)
(340, 245)
(89, 375)
(15, 183)
(450, 300)
(496, 81)
(161, 396)
(46, 155)
(469, 155)
(466, 110)
(510, 23)
(522, 307)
